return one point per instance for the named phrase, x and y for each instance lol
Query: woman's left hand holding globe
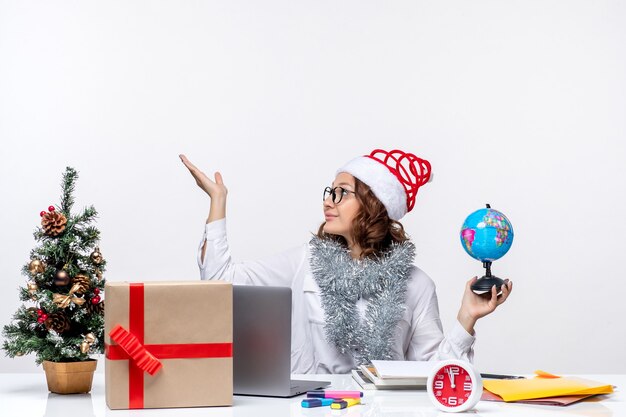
(474, 306)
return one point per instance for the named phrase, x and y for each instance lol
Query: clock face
(454, 385)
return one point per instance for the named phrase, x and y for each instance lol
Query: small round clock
(454, 386)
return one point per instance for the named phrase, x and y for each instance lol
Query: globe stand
(483, 284)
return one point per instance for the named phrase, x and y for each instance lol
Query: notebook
(395, 374)
(262, 343)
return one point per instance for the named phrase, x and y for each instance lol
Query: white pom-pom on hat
(393, 176)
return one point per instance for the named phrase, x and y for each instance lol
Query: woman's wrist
(218, 209)
(467, 321)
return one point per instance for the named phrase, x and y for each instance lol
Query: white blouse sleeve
(427, 340)
(278, 270)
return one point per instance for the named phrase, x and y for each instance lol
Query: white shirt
(418, 336)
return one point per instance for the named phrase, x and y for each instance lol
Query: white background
(517, 103)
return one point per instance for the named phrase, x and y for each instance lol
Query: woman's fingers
(187, 162)
(493, 301)
(468, 284)
(191, 167)
(197, 174)
(219, 179)
(506, 291)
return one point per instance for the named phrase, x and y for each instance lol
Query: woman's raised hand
(215, 189)
(474, 306)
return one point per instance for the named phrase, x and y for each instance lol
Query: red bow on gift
(137, 352)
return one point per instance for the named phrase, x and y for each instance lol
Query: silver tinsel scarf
(343, 281)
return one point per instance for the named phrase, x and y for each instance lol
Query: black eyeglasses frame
(336, 198)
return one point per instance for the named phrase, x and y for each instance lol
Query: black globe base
(487, 281)
(484, 284)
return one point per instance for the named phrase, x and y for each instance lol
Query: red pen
(334, 394)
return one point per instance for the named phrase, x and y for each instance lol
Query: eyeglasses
(337, 194)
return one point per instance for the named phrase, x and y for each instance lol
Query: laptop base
(297, 388)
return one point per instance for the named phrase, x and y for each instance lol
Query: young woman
(356, 294)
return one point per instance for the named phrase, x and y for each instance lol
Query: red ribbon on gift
(130, 346)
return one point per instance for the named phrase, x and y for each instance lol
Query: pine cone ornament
(53, 223)
(81, 284)
(57, 322)
(95, 309)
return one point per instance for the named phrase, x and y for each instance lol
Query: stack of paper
(393, 374)
(545, 388)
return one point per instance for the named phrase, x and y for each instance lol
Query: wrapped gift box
(168, 344)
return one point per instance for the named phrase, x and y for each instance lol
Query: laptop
(262, 343)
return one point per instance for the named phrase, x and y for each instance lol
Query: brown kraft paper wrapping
(177, 312)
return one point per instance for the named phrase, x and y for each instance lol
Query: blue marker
(316, 402)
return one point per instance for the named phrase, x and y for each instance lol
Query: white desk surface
(25, 395)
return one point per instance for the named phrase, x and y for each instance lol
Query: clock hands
(451, 376)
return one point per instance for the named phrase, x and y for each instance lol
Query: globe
(486, 234)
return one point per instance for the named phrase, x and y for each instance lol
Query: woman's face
(339, 216)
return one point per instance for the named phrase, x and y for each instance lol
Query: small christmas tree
(65, 319)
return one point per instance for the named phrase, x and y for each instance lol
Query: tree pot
(69, 377)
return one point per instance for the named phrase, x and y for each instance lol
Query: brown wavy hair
(372, 229)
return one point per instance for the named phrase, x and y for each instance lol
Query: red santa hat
(394, 177)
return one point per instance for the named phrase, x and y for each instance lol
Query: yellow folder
(544, 385)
